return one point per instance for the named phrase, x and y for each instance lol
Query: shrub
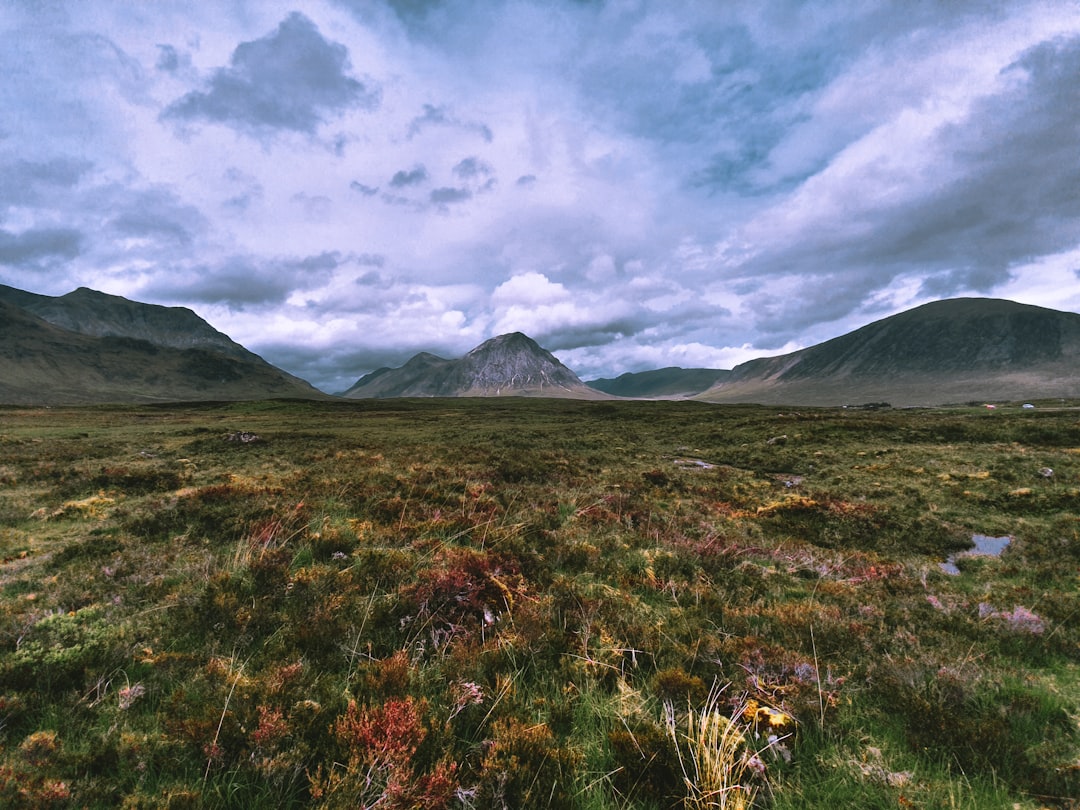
(379, 746)
(524, 766)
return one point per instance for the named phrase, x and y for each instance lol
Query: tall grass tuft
(719, 766)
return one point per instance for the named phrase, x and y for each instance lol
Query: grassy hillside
(42, 364)
(952, 351)
(524, 603)
(663, 382)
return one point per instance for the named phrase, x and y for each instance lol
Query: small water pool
(985, 546)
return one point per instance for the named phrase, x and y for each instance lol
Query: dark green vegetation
(663, 382)
(536, 603)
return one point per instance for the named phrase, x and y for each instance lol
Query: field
(527, 603)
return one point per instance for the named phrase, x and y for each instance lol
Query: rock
(243, 437)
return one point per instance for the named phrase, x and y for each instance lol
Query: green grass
(475, 603)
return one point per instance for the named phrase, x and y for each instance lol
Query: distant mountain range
(507, 365)
(87, 347)
(663, 383)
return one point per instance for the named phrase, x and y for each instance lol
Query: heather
(538, 603)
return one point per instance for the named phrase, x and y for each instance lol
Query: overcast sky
(339, 184)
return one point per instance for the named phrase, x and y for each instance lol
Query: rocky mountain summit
(507, 365)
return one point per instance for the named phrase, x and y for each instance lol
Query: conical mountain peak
(506, 365)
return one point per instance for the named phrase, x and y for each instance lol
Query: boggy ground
(527, 603)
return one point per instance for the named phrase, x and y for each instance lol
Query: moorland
(538, 603)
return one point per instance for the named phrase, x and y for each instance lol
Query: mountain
(130, 352)
(89, 312)
(957, 350)
(422, 376)
(670, 382)
(508, 365)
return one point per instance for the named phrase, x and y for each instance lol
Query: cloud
(250, 190)
(549, 312)
(26, 182)
(955, 197)
(291, 80)
(317, 208)
(409, 177)
(35, 246)
(440, 116)
(156, 216)
(244, 282)
(473, 168)
(444, 196)
(170, 60)
(367, 191)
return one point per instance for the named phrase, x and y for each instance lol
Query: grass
(477, 603)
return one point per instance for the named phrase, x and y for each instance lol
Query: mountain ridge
(97, 314)
(133, 353)
(954, 350)
(87, 346)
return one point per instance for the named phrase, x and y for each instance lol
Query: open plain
(538, 603)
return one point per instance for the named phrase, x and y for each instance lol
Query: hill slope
(133, 353)
(97, 314)
(949, 351)
(660, 383)
(507, 365)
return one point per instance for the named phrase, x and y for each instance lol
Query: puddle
(693, 462)
(985, 546)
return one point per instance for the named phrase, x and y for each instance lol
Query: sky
(340, 184)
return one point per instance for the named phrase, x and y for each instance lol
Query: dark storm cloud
(1020, 196)
(33, 247)
(599, 334)
(24, 182)
(142, 224)
(1010, 195)
(241, 282)
(409, 177)
(288, 80)
(721, 119)
(155, 214)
